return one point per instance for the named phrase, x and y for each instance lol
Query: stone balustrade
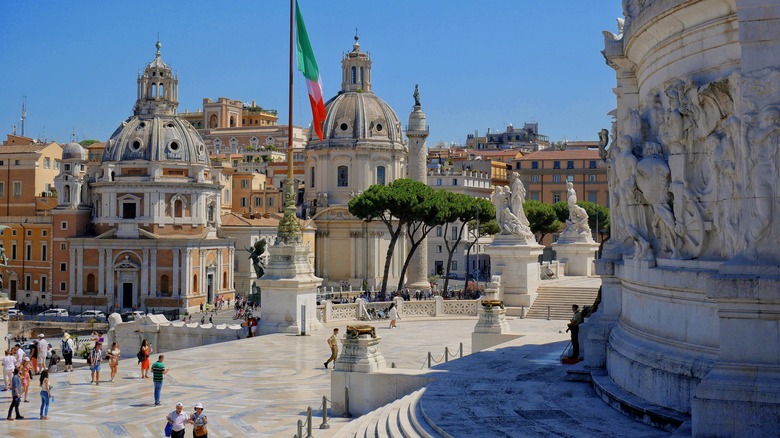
(436, 307)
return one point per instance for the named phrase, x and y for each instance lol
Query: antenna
(24, 113)
(73, 135)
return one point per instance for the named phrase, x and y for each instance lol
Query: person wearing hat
(199, 420)
(43, 352)
(8, 369)
(67, 351)
(178, 420)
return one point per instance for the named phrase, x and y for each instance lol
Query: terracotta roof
(589, 154)
(23, 148)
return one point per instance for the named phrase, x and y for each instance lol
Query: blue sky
(479, 65)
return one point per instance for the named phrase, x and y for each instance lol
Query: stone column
(153, 274)
(176, 271)
(101, 271)
(417, 132)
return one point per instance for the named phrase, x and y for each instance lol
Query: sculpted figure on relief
(653, 178)
(629, 217)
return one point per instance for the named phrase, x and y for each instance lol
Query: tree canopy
(542, 217)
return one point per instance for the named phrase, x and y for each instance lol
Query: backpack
(66, 347)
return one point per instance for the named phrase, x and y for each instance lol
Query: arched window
(354, 75)
(161, 90)
(91, 283)
(195, 283)
(224, 280)
(165, 285)
(362, 79)
(178, 208)
(66, 194)
(213, 121)
(232, 121)
(380, 175)
(212, 212)
(342, 175)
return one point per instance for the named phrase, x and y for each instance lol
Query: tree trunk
(411, 253)
(389, 257)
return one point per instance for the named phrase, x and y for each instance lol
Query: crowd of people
(19, 369)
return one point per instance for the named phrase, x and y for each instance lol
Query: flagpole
(289, 228)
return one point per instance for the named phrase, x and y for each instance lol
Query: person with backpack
(67, 351)
(95, 359)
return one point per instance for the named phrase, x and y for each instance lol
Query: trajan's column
(417, 132)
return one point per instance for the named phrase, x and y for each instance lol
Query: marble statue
(510, 215)
(577, 225)
(259, 255)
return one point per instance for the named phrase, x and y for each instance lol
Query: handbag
(200, 430)
(140, 356)
(168, 428)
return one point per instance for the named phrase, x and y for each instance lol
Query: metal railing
(309, 423)
(446, 357)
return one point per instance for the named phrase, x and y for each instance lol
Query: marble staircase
(404, 418)
(560, 298)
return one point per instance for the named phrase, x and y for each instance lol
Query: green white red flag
(308, 66)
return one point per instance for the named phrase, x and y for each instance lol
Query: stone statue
(259, 255)
(416, 96)
(603, 142)
(577, 225)
(510, 215)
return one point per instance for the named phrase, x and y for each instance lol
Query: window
(454, 181)
(570, 178)
(27, 282)
(380, 175)
(534, 164)
(439, 231)
(534, 178)
(13, 232)
(128, 210)
(28, 251)
(258, 202)
(63, 267)
(534, 196)
(47, 163)
(63, 286)
(593, 197)
(2, 189)
(556, 178)
(342, 175)
(17, 188)
(29, 233)
(592, 164)
(13, 251)
(63, 246)
(67, 166)
(56, 164)
(454, 265)
(438, 181)
(17, 162)
(592, 178)
(244, 183)
(63, 225)
(570, 164)
(44, 233)
(454, 233)
(243, 202)
(438, 249)
(556, 164)
(556, 197)
(311, 177)
(43, 283)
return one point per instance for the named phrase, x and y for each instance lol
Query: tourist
(158, 371)
(200, 421)
(113, 355)
(53, 361)
(19, 355)
(393, 313)
(574, 328)
(34, 355)
(95, 360)
(67, 351)
(146, 350)
(43, 352)
(333, 343)
(16, 396)
(178, 420)
(8, 369)
(26, 375)
(45, 395)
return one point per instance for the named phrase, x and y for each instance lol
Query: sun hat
(40, 335)
(179, 404)
(198, 406)
(66, 335)
(26, 359)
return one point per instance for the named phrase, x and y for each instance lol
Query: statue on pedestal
(510, 215)
(577, 224)
(416, 96)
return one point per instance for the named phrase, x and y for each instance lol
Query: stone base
(491, 320)
(289, 292)
(517, 262)
(370, 391)
(578, 256)
(360, 355)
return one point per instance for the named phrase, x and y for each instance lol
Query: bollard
(522, 312)
(461, 350)
(308, 423)
(346, 403)
(548, 313)
(300, 430)
(446, 354)
(324, 424)
(429, 359)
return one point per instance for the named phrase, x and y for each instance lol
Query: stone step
(421, 428)
(378, 423)
(391, 425)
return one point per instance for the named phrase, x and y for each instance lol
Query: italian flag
(308, 66)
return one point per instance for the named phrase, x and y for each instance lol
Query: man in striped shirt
(158, 371)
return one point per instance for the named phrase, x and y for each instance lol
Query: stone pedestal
(288, 291)
(360, 353)
(517, 262)
(745, 378)
(491, 329)
(5, 304)
(594, 336)
(578, 256)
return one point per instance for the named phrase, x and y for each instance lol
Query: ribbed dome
(74, 150)
(359, 116)
(162, 138)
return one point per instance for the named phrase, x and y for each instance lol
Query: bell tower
(356, 70)
(158, 89)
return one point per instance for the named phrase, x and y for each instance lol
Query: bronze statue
(416, 96)
(258, 256)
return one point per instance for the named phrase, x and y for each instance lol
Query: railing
(360, 309)
(446, 357)
(308, 424)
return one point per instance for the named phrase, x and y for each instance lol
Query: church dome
(161, 138)
(74, 150)
(356, 116)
